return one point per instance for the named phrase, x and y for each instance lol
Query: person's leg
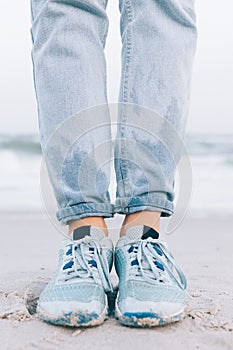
(70, 76)
(159, 40)
(144, 217)
(158, 46)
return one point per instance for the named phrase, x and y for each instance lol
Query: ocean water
(212, 166)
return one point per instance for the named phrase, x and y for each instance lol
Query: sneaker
(151, 285)
(76, 293)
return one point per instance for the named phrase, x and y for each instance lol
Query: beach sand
(202, 247)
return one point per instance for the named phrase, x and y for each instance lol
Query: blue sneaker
(151, 285)
(76, 293)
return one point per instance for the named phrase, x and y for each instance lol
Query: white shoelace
(84, 259)
(153, 262)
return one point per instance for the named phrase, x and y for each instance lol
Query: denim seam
(104, 28)
(125, 210)
(81, 211)
(43, 7)
(149, 201)
(154, 202)
(33, 65)
(165, 206)
(65, 220)
(75, 210)
(122, 162)
(163, 212)
(32, 12)
(105, 3)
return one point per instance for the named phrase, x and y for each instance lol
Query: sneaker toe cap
(161, 309)
(58, 308)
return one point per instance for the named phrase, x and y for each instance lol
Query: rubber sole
(78, 318)
(147, 319)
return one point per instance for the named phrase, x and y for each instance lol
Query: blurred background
(209, 129)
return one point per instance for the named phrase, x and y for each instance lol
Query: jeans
(69, 68)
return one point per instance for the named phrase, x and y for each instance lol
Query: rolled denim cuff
(145, 202)
(78, 211)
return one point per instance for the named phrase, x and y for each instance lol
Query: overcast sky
(211, 108)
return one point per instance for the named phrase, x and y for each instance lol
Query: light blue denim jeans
(69, 67)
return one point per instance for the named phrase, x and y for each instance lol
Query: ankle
(97, 221)
(144, 217)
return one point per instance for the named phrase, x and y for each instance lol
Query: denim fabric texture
(69, 67)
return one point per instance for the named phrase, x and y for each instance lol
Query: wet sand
(203, 247)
